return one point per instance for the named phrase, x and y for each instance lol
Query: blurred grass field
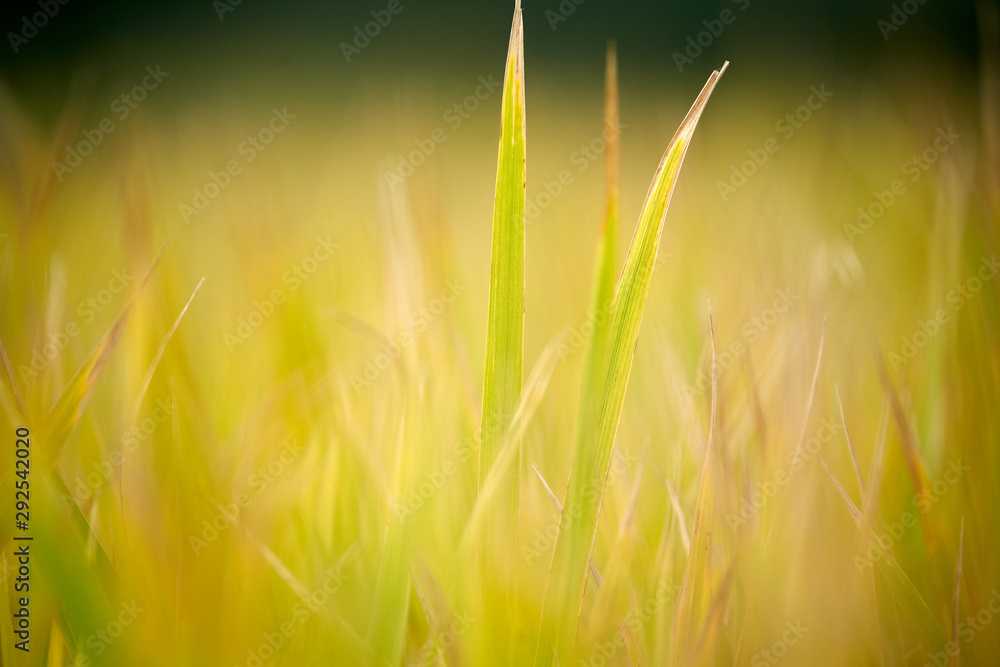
(241, 491)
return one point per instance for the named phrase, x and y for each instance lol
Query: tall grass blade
(850, 447)
(575, 540)
(844, 495)
(504, 346)
(812, 390)
(604, 268)
(534, 390)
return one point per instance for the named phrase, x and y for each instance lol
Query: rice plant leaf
(679, 512)
(534, 390)
(850, 447)
(812, 390)
(912, 602)
(505, 332)
(694, 587)
(85, 594)
(504, 344)
(914, 462)
(844, 495)
(902, 588)
(387, 628)
(713, 619)
(159, 353)
(64, 415)
(578, 526)
(604, 268)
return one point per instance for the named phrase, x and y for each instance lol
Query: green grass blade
(504, 346)
(387, 630)
(604, 267)
(505, 334)
(575, 540)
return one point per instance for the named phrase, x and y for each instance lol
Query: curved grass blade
(159, 353)
(575, 539)
(66, 412)
(850, 447)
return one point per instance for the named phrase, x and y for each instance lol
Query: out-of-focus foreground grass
(326, 380)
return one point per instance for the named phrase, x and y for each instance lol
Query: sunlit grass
(335, 488)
